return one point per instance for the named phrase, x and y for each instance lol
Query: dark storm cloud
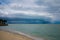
(48, 9)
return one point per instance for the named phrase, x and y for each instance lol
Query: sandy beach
(7, 34)
(11, 36)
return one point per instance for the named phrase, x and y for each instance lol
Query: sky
(46, 9)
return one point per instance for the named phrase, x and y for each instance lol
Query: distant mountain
(26, 21)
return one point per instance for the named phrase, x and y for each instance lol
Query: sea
(49, 31)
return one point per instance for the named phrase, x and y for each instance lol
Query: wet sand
(11, 36)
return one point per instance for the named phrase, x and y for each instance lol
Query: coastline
(21, 35)
(6, 35)
(45, 31)
(3, 24)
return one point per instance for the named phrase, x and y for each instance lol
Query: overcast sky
(30, 9)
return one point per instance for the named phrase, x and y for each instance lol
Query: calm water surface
(50, 31)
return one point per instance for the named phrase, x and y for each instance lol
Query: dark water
(49, 31)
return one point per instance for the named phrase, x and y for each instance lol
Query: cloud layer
(30, 9)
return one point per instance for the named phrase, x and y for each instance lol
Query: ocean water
(49, 31)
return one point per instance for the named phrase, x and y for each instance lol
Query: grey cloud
(53, 5)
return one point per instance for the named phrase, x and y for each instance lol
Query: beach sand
(11, 36)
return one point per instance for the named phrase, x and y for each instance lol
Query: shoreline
(6, 35)
(3, 24)
(22, 34)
